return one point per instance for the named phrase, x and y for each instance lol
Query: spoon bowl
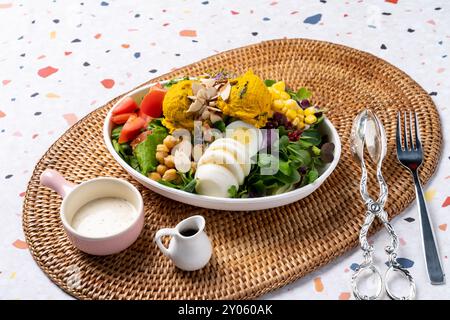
(357, 136)
(375, 138)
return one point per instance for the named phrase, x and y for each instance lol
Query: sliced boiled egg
(214, 180)
(248, 135)
(225, 159)
(236, 149)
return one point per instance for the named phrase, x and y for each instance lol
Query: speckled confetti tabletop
(59, 60)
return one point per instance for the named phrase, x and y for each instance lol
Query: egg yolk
(242, 135)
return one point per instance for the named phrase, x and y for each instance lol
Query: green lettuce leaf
(269, 82)
(145, 152)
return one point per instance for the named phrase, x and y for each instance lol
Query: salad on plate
(223, 135)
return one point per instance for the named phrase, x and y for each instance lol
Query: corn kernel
(278, 104)
(276, 94)
(301, 125)
(300, 112)
(310, 119)
(310, 111)
(291, 114)
(296, 121)
(291, 104)
(280, 86)
(284, 95)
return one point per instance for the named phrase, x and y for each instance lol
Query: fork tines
(405, 144)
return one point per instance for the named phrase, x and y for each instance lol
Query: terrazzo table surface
(59, 60)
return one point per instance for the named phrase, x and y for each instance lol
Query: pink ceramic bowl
(75, 196)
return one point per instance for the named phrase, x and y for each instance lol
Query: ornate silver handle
(391, 250)
(375, 209)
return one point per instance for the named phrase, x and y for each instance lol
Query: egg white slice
(226, 159)
(214, 180)
(236, 149)
(250, 136)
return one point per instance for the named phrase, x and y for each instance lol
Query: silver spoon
(367, 131)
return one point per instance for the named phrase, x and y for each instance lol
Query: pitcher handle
(54, 180)
(161, 233)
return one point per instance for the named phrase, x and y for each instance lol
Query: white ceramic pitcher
(189, 248)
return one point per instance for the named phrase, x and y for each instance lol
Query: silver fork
(411, 157)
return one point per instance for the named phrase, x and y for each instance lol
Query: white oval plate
(233, 204)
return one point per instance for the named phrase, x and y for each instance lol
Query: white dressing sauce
(103, 217)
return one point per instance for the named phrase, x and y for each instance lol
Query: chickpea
(170, 175)
(170, 142)
(161, 169)
(160, 156)
(162, 148)
(155, 176)
(169, 161)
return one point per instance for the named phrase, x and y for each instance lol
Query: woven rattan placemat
(254, 252)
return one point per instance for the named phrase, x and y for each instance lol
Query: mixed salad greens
(240, 111)
(299, 163)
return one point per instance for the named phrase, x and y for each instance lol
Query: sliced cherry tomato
(131, 128)
(121, 118)
(126, 106)
(144, 116)
(141, 137)
(152, 103)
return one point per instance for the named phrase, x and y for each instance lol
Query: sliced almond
(182, 162)
(208, 83)
(192, 97)
(211, 92)
(201, 100)
(215, 117)
(195, 106)
(202, 109)
(205, 115)
(212, 103)
(214, 109)
(196, 87)
(201, 94)
(225, 92)
(184, 146)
